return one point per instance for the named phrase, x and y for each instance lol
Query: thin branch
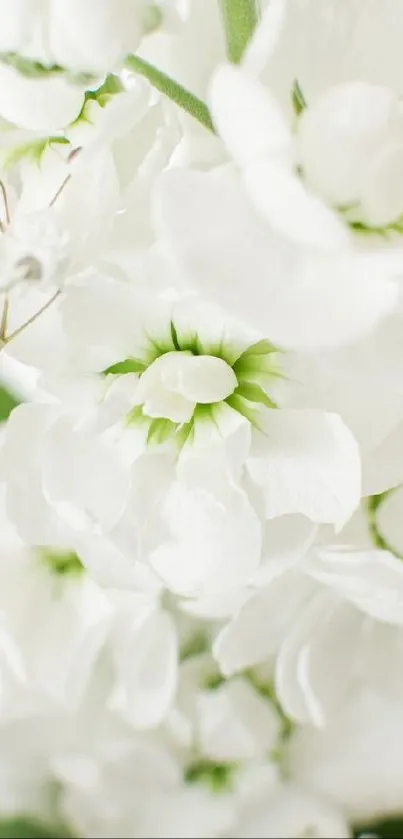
(32, 319)
(59, 191)
(73, 154)
(6, 204)
(4, 320)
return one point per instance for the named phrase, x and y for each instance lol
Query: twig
(4, 319)
(6, 204)
(73, 154)
(31, 320)
(59, 191)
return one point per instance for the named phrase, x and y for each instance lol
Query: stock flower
(161, 397)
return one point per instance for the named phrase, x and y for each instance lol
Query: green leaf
(7, 403)
(172, 89)
(129, 365)
(240, 18)
(26, 829)
(386, 829)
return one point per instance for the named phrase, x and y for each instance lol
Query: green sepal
(174, 337)
(262, 347)
(255, 393)
(135, 415)
(129, 365)
(160, 431)
(298, 99)
(242, 406)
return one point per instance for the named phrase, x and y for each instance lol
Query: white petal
(339, 133)
(38, 104)
(220, 606)
(88, 205)
(319, 659)
(261, 624)
(206, 379)
(285, 540)
(94, 35)
(146, 657)
(307, 462)
(383, 466)
(296, 296)
(235, 723)
(290, 208)
(265, 37)
(382, 194)
(77, 622)
(372, 580)
(106, 321)
(78, 470)
(246, 117)
(216, 535)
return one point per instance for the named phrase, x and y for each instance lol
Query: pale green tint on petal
(181, 381)
(61, 563)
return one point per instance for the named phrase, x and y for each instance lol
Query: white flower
(335, 166)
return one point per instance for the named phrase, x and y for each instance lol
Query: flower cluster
(201, 479)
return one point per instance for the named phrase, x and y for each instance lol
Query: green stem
(240, 18)
(178, 94)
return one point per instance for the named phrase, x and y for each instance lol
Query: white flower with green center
(138, 376)
(339, 153)
(183, 389)
(165, 368)
(262, 238)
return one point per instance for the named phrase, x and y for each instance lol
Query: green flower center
(251, 372)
